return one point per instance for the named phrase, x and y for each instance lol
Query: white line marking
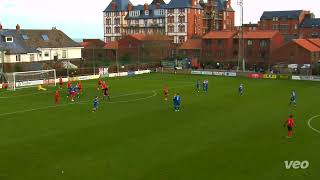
(84, 102)
(309, 123)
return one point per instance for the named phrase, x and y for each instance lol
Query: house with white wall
(29, 45)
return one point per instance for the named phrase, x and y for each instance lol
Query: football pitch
(138, 136)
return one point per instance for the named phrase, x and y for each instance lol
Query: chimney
(229, 3)
(17, 27)
(114, 5)
(129, 7)
(194, 3)
(1, 27)
(158, 5)
(145, 6)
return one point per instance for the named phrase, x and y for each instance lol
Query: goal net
(19, 80)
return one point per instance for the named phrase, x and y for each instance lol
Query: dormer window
(146, 12)
(45, 37)
(25, 37)
(9, 39)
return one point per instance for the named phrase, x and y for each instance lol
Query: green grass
(138, 136)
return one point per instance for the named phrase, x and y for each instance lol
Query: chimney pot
(146, 7)
(129, 7)
(114, 5)
(17, 27)
(1, 27)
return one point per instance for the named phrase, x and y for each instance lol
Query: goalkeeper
(40, 88)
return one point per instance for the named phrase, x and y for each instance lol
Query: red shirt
(68, 84)
(79, 85)
(290, 122)
(104, 86)
(57, 94)
(99, 82)
(60, 80)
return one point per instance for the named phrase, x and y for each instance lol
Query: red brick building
(191, 48)
(310, 28)
(140, 48)
(218, 15)
(298, 51)
(218, 46)
(93, 50)
(259, 46)
(287, 22)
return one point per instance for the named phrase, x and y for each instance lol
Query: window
(154, 21)
(275, 27)
(46, 54)
(208, 43)
(171, 11)
(45, 37)
(181, 39)
(64, 54)
(9, 39)
(137, 22)
(181, 19)
(284, 27)
(117, 13)
(181, 28)
(25, 37)
(171, 29)
(108, 21)
(18, 58)
(117, 30)
(145, 22)
(161, 11)
(250, 42)
(296, 26)
(220, 43)
(108, 39)
(146, 12)
(170, 19)
(275, 18)
(117, 21)
(263, 43)
(31, 57)
(181, 11)
(108, 30)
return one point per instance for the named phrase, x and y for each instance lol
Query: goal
(19, 80)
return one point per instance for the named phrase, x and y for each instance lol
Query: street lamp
(241, 39)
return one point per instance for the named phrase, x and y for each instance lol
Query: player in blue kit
(76, 91)
(198, 85)
(95, 104)
(293, 98)
(70, 89)
(241, 89)
(176, 102)
(205, 85)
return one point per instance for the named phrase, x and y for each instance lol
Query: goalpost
(19, 80)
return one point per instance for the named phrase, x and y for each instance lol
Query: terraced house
(179, 19)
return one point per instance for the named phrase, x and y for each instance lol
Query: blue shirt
(178, 99)
(70, 89)
(95, 102)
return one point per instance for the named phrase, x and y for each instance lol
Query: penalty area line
(310, 126)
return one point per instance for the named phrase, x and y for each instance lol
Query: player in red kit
(68, 84)
(166, 92)
(290, 124)
(57, 97)
(80, 87)
(99, 83)
(60, 82)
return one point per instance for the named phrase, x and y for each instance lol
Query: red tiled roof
(143, 37)
(315, 41)
(191, 44)
(219, 35)
(307, 45)
(92, 43)
(259, 34)
(111, 45)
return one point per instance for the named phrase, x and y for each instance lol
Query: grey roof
(57, 39)
(310, 23)
(268, 15)
(182, 4)
(122, 5)
(221, 4)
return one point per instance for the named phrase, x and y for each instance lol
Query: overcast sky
(83, 18)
